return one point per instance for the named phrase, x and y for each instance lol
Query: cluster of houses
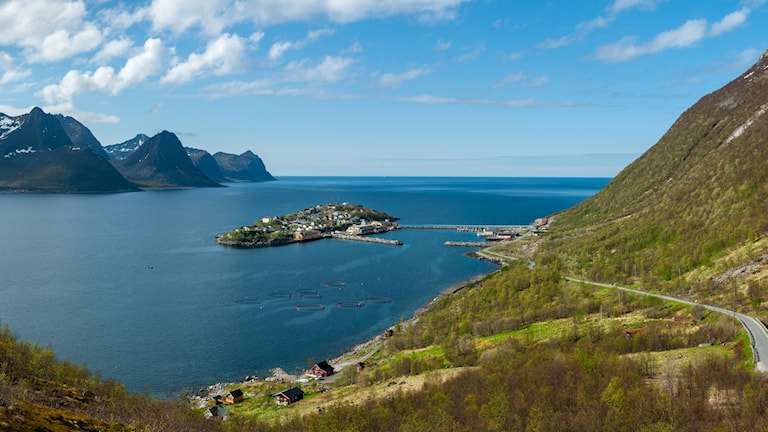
(310, 224)
(283, 398)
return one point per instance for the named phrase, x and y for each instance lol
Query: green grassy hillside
(698, 194)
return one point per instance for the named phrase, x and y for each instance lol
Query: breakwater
(468, 228)
(468, 244)
(378, 240)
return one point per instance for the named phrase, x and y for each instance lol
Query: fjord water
(134, 286)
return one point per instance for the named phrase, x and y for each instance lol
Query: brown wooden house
(235, 396)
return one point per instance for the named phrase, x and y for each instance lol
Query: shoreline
(351, 355)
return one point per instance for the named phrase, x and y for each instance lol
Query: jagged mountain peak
(162, 162)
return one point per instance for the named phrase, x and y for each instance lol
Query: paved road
(757, 331)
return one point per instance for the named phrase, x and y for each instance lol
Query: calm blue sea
(134, 286)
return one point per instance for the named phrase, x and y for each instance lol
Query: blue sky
(374, 87)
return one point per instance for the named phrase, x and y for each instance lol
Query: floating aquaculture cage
(378, 299)
(305, 293)
(247, 301)
(309, 307)
(350, 304)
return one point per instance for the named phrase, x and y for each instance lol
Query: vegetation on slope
(534, 352)
(39, 393)
(700, 193)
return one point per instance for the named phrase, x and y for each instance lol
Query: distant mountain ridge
(242, 168)
(41, 152)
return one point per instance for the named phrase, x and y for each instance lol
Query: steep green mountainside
(701, 191)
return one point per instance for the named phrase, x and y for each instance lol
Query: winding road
(756, 330)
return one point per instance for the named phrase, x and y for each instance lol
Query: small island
(345, 221)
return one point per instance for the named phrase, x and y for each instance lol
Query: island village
(344, 221)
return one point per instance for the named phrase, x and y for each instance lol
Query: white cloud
(443, 45)
(627, 48)
(582, 30)
(470, 55)
(178, 16)
(112, 49)
(331, 69)
(9, 70)
(256, 37)
(14, 111)
(84, 116)
(520, 80)
(213, 16)
(684, 36)
(396, 80)
(279, 48)
(622, 5)
(48, 30)
(509, 79)
(729, 22)
(140, 67)
(222, 56)
(136, 70)
(266, 12)
(507, 103)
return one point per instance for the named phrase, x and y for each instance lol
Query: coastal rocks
(203, 395)
(279, 375)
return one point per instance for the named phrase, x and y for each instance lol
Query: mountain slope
(699, 192)
(245, 167)
(207, 164)
(80, 135)
(38, 156)
(124, 149)
(162, 162)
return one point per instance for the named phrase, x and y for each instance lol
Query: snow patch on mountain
(21, 151)
(8, 125)
(743, 127)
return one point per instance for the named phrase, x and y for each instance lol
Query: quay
(342, 236)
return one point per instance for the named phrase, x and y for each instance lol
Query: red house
(321, 370)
